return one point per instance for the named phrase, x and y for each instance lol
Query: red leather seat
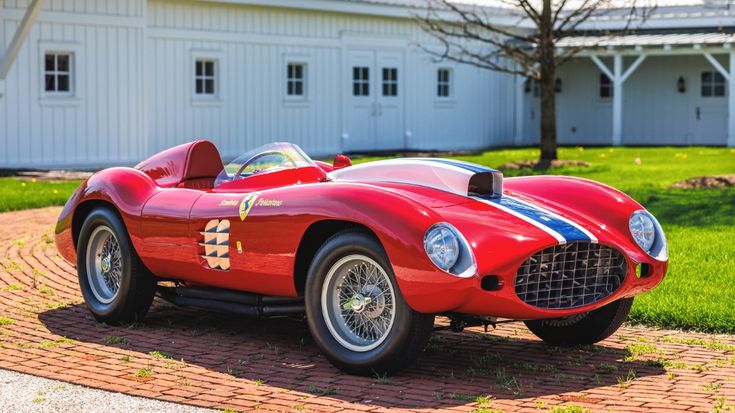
(203, 164)
(198, 183)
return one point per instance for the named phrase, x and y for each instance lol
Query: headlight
(448, 250)
(642, 229)
(648, 234)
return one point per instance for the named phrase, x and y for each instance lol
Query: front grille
(570, 275)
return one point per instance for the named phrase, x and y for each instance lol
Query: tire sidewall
(589, 329)
(97, 218)
(337, 247)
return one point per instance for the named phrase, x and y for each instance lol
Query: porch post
(731, 103)
(618, 78)
(617, 115)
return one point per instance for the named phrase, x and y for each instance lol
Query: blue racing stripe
(565, 229)
(461, 164)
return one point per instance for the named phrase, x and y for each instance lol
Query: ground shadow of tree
(455, 369)
(690, 207)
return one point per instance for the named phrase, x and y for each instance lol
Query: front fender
(400, 224)
(125, 189)
(398, 221)
(605, 208)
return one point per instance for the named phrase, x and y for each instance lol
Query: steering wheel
(260, 155)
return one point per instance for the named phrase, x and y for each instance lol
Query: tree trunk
(547, 83)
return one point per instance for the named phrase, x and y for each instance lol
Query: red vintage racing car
(370, 252)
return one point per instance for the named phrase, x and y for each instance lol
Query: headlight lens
(442, 245)
(643, 229)
(448, 249)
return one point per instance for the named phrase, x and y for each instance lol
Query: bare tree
(471, 34)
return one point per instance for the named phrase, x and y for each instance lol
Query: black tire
(583, 329)
(402, 341)
(137, 286)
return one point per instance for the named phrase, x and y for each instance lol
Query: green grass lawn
(16, 194)
(699, 290)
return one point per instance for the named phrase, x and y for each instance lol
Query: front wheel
(115, 284)
(583, 329)
(356, 312)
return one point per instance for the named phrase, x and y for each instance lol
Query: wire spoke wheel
(358, 303)
(104, 264)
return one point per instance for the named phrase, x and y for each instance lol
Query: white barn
(90, 83)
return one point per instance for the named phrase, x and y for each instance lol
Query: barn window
(444, 83)
(58, 73)
(713, 84)
(606, 87)
(205, 77)
(390, 81)
(296, 80)
(360, 81)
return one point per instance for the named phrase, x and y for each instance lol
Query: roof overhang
(405, 9)
(650, 43)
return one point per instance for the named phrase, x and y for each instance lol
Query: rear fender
(125, 189)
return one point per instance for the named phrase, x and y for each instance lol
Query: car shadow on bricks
(223, 358)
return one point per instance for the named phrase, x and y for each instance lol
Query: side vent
(217, 244)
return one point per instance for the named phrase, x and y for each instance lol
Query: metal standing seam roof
(673, 39)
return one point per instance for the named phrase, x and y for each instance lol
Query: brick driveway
(207, 359)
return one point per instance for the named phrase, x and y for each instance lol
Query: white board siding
(99, 7)
(134, 83)
(474, 117)
(191, 15)
(102, 124)
(251, 109)
(253, 41)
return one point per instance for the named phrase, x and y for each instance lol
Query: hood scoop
(458, 177)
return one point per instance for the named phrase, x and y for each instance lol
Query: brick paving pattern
(227, 362)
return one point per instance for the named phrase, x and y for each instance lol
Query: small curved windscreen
(267, 158)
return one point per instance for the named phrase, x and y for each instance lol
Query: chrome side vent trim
(216, 244)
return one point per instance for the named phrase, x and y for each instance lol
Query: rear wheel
(115, 284)
(583, 329)
(356, 312)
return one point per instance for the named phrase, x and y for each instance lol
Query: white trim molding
(84, 19)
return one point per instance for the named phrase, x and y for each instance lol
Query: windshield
(267, 158)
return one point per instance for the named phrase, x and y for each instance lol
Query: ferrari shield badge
(246, 204)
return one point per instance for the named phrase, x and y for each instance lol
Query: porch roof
(649, 40)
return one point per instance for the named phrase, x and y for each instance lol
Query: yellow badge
(247, 204)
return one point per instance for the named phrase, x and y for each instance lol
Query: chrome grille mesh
(570, 275)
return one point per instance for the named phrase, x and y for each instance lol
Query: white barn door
(374, 97)
(709, 108)
(389, 99)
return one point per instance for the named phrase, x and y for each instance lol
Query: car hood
(533, 212)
